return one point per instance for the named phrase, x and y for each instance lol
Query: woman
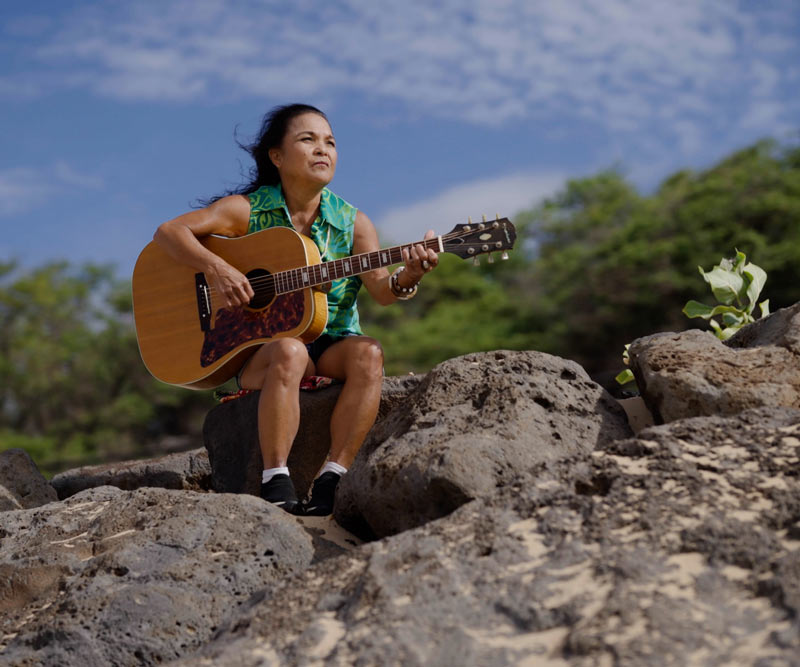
(295, 157)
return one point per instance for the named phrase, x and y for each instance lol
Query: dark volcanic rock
(780, 329)
(693, 373)
(23, 486)
(8, 501)
(395, 391)
(185, 470)
(473, 424)
(230, 434)
(674, 548)
(567, 542)
(128, 578)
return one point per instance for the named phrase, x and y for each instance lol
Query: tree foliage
(72, 385)
(600, 264)
(596, 266)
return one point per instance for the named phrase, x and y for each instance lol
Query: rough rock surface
(185, 470)
(471, 425)
(21, 482)
(580, 546)
(679, 547)
(8, 501)
(693, 373)
(230, 434)
(128, 578)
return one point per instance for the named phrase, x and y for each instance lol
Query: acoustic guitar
(186, 339)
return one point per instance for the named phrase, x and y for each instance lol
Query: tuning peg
(484, 217)
(491, 259)
(504, 255)
(476, 261)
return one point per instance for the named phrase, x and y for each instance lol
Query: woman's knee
(369, 358)
(288, 356)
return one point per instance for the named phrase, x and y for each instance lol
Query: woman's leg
(358, 361)
(276, 369)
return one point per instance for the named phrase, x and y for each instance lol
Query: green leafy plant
(625, 376)
(736, 284)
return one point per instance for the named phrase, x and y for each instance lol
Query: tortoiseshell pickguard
(235, 327)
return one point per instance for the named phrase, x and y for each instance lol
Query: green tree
(73, 386)
(610, 265)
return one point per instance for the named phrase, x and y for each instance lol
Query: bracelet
(401, 293)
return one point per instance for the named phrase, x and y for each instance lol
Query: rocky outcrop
(230, 434)
(678, 547)
(520, 522)
(475, 423)
(21, 484)
(693, 373)
(8, 501)
(190, 471)
(110, 577)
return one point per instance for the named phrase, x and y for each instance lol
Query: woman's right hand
(230, 287)
(225, 217)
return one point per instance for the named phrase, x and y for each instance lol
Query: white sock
(269, 473)
(330, 466)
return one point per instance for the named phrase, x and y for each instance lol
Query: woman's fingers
(428, 256)
(233, 287)
(419, 260)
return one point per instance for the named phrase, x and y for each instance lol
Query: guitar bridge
(203, 301)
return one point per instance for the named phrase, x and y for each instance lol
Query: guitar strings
(267, 283)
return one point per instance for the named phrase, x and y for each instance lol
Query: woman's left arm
(418, 261)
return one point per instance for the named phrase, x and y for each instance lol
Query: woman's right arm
(228, 216)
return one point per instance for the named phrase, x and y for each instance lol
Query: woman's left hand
(419, 261)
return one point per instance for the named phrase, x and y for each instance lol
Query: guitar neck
(319, 274)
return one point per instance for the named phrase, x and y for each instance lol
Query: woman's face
(308, 151)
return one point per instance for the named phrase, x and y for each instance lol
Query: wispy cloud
(65, 174)
(505, 195)
(20, 188)
(23, 189)
(623, 64)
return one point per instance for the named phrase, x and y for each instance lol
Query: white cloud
(26, 188)
(66, 174)
(20, 188)
(619, 63)
(505, 195)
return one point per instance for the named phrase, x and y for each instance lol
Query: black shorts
(317, 347)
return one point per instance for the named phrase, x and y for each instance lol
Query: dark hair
(273, 130)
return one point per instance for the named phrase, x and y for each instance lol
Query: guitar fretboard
(319, 274)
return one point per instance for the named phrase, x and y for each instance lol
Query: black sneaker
(322, 494)
(280, 491)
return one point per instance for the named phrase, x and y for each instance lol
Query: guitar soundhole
(262, 286)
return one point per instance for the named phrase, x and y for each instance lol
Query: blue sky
(118, 116)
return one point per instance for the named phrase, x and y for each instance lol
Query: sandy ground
(639, 416)
(326, 528)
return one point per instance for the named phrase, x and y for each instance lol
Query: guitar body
(186, 339)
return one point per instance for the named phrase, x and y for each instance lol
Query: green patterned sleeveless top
(332, 231)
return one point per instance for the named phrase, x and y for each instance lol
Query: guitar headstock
(476, 238)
